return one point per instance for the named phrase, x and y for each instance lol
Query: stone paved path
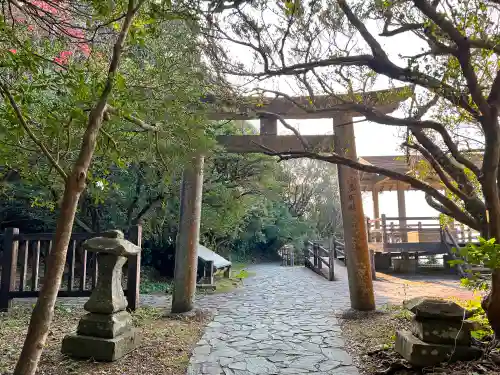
(282, 322)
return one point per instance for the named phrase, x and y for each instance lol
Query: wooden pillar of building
(186, 249)
(376, 213)
(376, 207)
(402, 211)
(356, 242)
(268, 125)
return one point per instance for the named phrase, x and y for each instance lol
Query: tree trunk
(44, 309)
(491, 303)
(43, 312)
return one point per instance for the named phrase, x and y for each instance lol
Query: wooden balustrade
(315, 256)
(414, 229)
(21, 249)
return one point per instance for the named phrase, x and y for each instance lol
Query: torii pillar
(188, 236)
(355, 236)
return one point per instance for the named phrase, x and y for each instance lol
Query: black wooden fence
(25, 259)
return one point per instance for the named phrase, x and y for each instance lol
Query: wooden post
(384, 229)
(372, 260)
(376, 207)
(35, 266)
(209, 272)
(268, 125)
(24, 265)
(356, 243)
(376, 213)
(227, 272)
(419, 230)
(402, 212)
(331, 265)
(320, 260)
(315, 254)
(186, 252)
(9, 265)
(368, 236)
(134, 269)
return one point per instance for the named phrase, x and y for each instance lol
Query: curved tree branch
(447, 203)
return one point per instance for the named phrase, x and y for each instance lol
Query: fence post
(209, 272)
(315, 254)
(134, 269)
(384, 229)
(9, 265)
(372, 261)
(331, 265)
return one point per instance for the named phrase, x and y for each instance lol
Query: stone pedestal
(439, 333)
(107, 332)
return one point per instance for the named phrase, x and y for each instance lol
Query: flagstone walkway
(282, 322)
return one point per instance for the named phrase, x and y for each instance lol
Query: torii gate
(343, 142)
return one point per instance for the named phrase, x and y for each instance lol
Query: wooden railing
(318, 254)
(414, 229)
(450, 241)
(287, 254)
(339, 250)
(26, 255)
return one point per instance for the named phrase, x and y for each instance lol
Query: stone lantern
(106, 333)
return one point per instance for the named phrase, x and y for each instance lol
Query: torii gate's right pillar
(355, 237)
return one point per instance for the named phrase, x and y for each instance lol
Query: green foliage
(243, 274)
(155, 287)
(486, 254)
(479, 318)
(404, 314)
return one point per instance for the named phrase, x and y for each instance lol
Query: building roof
(397, 163)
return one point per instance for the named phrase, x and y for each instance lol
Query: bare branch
(447, 203)
(439, 170)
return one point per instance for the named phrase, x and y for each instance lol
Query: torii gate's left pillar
(186, 247)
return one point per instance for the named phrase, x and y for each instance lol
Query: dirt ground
(394, 289)
(165, 348)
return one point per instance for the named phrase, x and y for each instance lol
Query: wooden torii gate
(358, 261)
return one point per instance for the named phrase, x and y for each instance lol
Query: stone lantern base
(99, 348)
(107, 332)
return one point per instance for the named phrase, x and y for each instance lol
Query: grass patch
(239, 273)
(164, 350)
(155, 287)
(153, 283)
